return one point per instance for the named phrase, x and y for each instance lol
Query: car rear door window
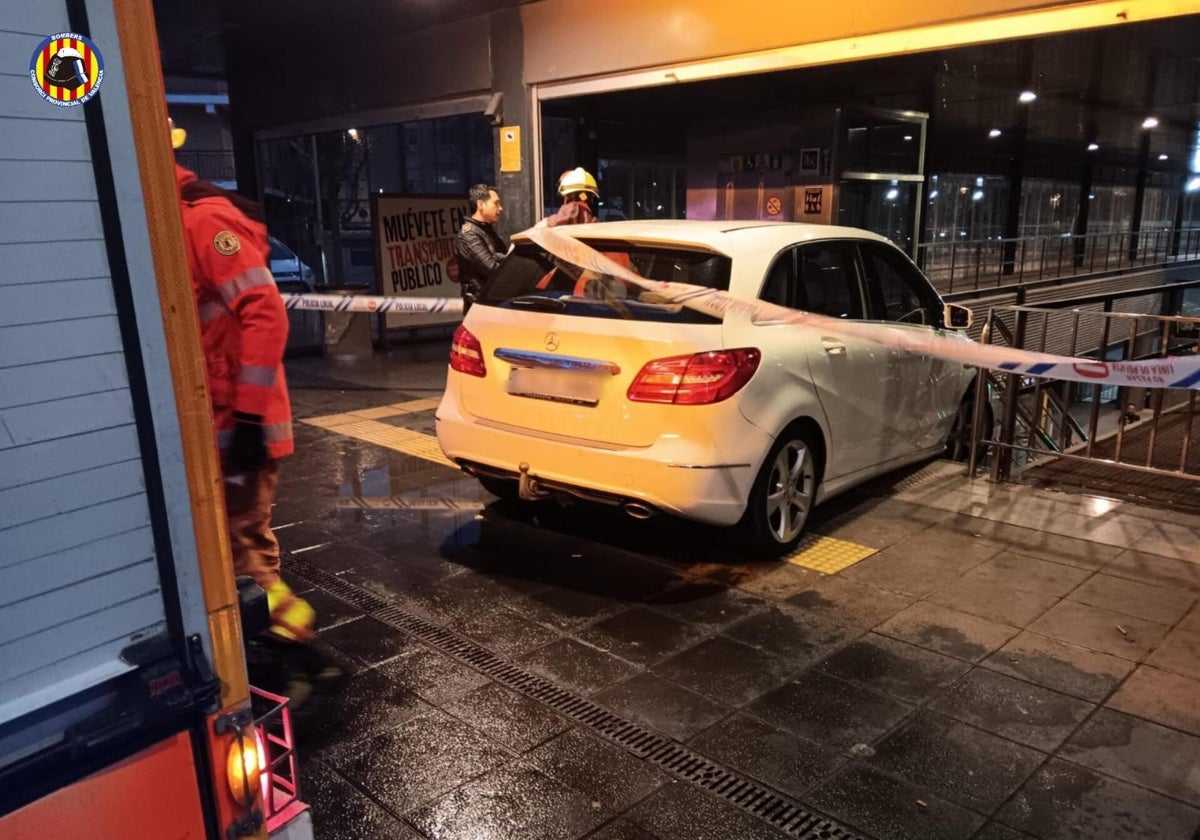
(896, 289)
(828, 280)
(779, 285)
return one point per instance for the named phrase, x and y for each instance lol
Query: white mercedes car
(569, 381)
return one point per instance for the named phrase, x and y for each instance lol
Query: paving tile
(1178, 653)
(956, 762)
(603, 772)
(994, 600)
(420, 760)
(621, 829)
(952, 538)
(436, 678)
(1161, 697)
(342, 812)
(879, 523)
(1183, 575)
(1084, 553)
(369, 703)
(662, 705)
(1191, 621)
(777, 758)
(301, 536)
(829, 711)
(883, 806)
(1164, 605)
(1171, 539)
(682, 812)
(331, 611)
(1086, 674)
(727, 671)
(793, 633)
(507, 717)
(503, 631)
(641, 635)
(514, 801)
(846, 601)
(999, 831)
(1100, 629)
(1065, 801)
(1014, 709)
(1144, 753)
(1030, 574)
(907, 571)
(706, 603)
(367, 642)
(780, 582)
(577, 666)
(947, 631)
(893, 667)
(565, 608)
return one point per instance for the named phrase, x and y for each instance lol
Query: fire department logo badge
(227, 243)
(66, 69)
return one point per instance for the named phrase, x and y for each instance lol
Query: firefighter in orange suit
(243, 329)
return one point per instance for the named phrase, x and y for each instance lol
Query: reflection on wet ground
(1007, 663)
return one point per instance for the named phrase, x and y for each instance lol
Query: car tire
(503, 488)
(958, 442)
(784, 493)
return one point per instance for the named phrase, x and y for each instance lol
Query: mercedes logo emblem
(551, 341)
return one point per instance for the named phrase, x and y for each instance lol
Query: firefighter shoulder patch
(227, 243)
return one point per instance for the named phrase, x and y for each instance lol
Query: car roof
(726, 237)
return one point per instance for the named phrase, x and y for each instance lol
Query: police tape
(406, 503)
(1171, 372)
(374, 303)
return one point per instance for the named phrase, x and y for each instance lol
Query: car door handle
(833, 346)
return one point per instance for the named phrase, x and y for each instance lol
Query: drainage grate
(681, 762)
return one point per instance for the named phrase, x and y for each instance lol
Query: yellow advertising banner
(414, 252)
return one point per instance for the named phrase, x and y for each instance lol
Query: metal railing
(1141, 429)
(962, 266)
(208, 166)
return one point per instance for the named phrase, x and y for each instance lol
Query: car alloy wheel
(783, 494)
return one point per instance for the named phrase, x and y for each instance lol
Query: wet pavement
(1007, 662)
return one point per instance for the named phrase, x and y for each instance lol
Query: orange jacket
(243, 323)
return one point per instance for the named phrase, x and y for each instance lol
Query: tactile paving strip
(828, 554)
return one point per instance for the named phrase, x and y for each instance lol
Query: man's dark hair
(478, 193)
(196, 190)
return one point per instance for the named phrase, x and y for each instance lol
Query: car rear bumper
(705, 483)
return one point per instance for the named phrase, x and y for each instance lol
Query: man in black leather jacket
(477, 246)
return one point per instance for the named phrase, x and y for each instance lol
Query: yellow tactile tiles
(828, 554)
(364, 425)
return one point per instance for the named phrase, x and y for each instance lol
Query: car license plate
(578, 387)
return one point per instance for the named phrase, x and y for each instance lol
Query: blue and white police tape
(374, 303)
(1173, 372)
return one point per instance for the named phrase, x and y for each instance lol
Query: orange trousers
(248, 500)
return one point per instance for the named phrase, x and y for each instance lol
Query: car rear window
(531, 278)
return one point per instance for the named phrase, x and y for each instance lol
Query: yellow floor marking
(828, 554)
(397, 408)
(385, 435)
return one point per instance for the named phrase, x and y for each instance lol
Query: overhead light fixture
(907, 137)
(1026, 96)
(1162, 157)
(978, 194)
(995, 132)
(1093, 147)
(1150, 122)
(353, 132)
(933, 194)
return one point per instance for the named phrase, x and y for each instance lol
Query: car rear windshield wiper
(543, 304)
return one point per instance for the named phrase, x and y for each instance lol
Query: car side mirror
(957, 317)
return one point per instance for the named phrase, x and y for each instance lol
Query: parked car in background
(291, 273)
(564, 381)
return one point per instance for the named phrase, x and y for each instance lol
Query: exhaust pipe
(638, 510)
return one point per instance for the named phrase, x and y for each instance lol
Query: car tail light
(698, 379)
(466, 353)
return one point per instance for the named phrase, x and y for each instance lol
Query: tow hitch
(528, 487)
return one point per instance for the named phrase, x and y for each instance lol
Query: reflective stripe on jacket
(243, 323)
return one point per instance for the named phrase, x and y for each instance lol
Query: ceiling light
(995, 132)
(1150, 122)
(1093, 147)
(1162, 157)
(1027, 96)
(907, 137)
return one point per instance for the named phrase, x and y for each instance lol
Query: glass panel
(874, 143)
(883, 207)
(288, 176)
(829, 282)
(897, 293)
